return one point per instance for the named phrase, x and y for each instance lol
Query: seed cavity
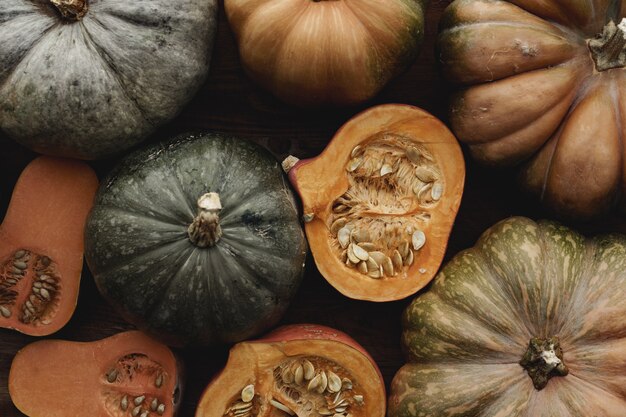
(385, 213)
(320, 391)
(29, 271)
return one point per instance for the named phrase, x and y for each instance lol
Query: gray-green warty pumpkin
(90, 78)
(197, 240)
(531, 322)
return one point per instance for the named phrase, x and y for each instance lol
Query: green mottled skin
(144, 263)
(466, 336)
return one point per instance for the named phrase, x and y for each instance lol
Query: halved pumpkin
(41, 245)
(128, 374)
(304, 370)
(380, 201)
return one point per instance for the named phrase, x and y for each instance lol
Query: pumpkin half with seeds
(91, 78)
(317, 52)
(297, 370)
(543, 86)
(197, 240)
(529, 322)
(380, 201)
(126, 375)
(41, 245)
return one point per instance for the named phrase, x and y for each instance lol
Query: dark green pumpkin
(145, 264)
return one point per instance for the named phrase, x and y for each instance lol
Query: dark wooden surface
(229, 102)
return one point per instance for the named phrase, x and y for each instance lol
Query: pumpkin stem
(607, 49)
(543, 360)
(205, 230)
(71, 9)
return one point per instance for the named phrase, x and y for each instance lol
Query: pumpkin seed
(20, 265)
(362, 267)
(338, 224)
(436, 192)
(158, 381)
(112, 375)
(356, 151)
(287, 376)
(371, 263)
(19, 254)
(418, 239)
(404, 249)
(238, 406)
(139, 400)
(298, 375)
(360, 235)
(375, 274)
(388, 267)
(308, 217)
(144, 414)
(413, 155)
(355, 163)
(160, 409)
(385, 169)
(352, 256)
(324, 411)
(45, 261)
(334, 382)
(44, 294)
(154, 404)
(408, 261)
(358, 399)
(368, 246)
(359, 252)
(282, 407)
(314, 383)
(323, 383)
(308, 369)
(6, 313)
(136, 411)
(425, 174)
(343, 236)
(247, 393)
(424, 192)
(124, 403)
(340, 208)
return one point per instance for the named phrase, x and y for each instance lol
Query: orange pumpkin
(380, 201)
(543, 86)
(125, 375)
(41, 245)
(316, 52)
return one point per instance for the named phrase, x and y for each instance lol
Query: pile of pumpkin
(531, 321)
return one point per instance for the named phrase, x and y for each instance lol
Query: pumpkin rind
(314, 53)
(533, 96)
(94, 87)
(144, 263)
(466, 335)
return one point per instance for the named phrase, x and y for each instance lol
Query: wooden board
(229, 102)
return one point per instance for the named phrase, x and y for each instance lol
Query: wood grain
(229, 102)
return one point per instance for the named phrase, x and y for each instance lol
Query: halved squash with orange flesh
(303, 370)
(380, 201)
(41, 245)
(128, 374)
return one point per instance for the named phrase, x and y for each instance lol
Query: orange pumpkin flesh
(41, 245)
(56, 378)
(389, 195)
(299, 369)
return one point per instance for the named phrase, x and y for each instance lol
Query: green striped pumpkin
(531, 322)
